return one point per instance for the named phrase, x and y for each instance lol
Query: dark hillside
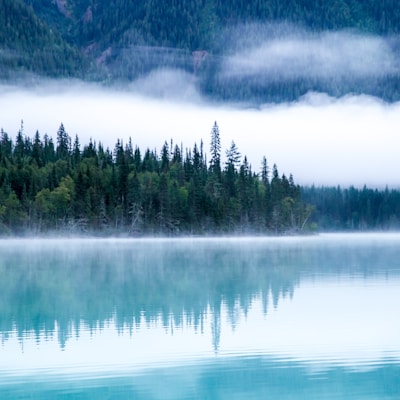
(124, 39)
(28, 45)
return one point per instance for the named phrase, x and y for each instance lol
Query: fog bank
(281, 53)
(321, 140)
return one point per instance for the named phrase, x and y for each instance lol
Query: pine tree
(232, 163)
(76, 152)
(37, 150)
(165, 157)
(233, 156)
(5, 147)
(215, 148)
(265, 172)
(63, 143)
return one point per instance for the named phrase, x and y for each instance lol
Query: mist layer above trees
(351, 44)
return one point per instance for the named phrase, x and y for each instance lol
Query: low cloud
(167, 84)
(320, 139)
(294, 54)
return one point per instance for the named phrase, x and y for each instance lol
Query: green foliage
(353, 208)
(45, 188)
(28, 45)
(195, 24)
(72, 190)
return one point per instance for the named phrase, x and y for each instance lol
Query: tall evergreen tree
(215, 148)
(63, 143)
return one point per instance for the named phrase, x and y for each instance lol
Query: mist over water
(320, 139)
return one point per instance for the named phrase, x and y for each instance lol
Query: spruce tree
(215, 148)
(63, 143)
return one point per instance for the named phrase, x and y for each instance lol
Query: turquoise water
(277, 318)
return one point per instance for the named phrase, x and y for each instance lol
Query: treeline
(353, 208)
(57, 186)
(48, 186)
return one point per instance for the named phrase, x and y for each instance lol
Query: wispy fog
(351, 139)
(321, 140)
(287, 54)
(167, 84)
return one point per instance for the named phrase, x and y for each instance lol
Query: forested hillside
(121, 40)
(193, 24)
(28, 45)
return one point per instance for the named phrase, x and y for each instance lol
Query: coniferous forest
(120, 41)
(60, 186)
(49, 186)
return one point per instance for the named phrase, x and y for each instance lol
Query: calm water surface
(277, 318)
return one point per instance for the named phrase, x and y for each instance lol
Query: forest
(55, 186)
(60, 185)
(121, 40)
(354, 209)
(49, 187)
(29, 46)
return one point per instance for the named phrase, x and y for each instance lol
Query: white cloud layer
(321, 140)
(328, 55)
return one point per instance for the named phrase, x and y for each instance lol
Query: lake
(231, 318)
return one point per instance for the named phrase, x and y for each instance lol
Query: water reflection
(99, 312)
(49, 284)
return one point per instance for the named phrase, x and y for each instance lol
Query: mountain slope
(191, 24)
(125, 40)
(28, 45)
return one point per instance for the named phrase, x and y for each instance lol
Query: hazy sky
(321, 140)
